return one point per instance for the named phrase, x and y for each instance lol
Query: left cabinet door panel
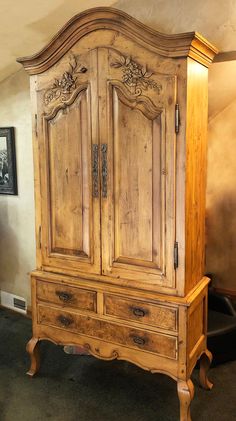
(67, 144)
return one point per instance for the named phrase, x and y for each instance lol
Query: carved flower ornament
(135, 76)
(63, 87)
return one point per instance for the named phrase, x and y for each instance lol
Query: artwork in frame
(8, 179)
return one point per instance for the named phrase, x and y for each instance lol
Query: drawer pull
(64, 296)
(139, 312)
(65, 321)
(139, 341)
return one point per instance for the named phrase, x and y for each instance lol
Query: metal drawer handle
(64, 296)
(139, 341)
(65, 321)
(139, 312)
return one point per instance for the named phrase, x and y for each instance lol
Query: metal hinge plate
(40, 237)
(36, 125)
(177, 118)
(176, 255)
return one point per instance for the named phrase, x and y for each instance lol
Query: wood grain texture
(196, 329)
(65, 295)
(70, 216)
(109, 351)
(205, 362)
(196, 144)
(134, 310)
(33, 350)
(139, 213)
(100, 284)
(133, 338)
(69, 171)
(37, 182)
(186, 394)
(195, 326)
(189, 44)
(116, 187)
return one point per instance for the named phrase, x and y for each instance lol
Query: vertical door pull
(95, 170)
(104, 169)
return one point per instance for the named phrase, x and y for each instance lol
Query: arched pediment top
(190, 44)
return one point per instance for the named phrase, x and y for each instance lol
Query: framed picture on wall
(8, 179)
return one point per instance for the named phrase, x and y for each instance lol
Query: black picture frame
(8, 176)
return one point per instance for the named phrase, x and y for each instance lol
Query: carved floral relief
(66, 84)
(135, 76)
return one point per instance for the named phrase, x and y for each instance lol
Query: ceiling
(222, 86)
(27, 26)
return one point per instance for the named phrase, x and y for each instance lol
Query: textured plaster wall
(27, 31)
(221, 193)
(17, 244)
(29, 25)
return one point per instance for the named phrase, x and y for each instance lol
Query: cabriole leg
(205, 362)
(186, 394)
(33, 349)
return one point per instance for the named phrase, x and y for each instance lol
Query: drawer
(150, 314)
(66, 295)
(157, 343)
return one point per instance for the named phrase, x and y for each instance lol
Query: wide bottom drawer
(134, 338)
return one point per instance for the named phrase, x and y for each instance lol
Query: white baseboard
(13, 302)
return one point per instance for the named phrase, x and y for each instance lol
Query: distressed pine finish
(119, 191)
(65, 295)
(141, 312)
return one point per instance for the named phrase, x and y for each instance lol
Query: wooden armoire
(119, 133)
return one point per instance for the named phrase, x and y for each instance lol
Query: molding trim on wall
(229, 292)
(225, 56)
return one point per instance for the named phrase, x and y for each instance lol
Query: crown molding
(190, 44)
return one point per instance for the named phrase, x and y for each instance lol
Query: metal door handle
(104, 169)
(95, 170)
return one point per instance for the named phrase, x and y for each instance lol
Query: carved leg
(205, 362)
(33, 349)
(186, 394)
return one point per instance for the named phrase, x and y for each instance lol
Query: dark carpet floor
(73, 388)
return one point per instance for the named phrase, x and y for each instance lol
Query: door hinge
(39, 236)
(36, 125)
(177, 118)
(176, 255)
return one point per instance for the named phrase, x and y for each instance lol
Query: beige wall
(221, 183)
(27, 29)
(17, 244)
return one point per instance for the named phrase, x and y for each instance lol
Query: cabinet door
(138, 170)
(69, 167)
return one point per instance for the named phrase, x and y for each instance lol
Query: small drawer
(64, 295)
(156, 343)
(145, 313)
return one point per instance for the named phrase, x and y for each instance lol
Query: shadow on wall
(221, 241)
(9, 247)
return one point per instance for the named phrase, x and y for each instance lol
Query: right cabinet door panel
(138, 213)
